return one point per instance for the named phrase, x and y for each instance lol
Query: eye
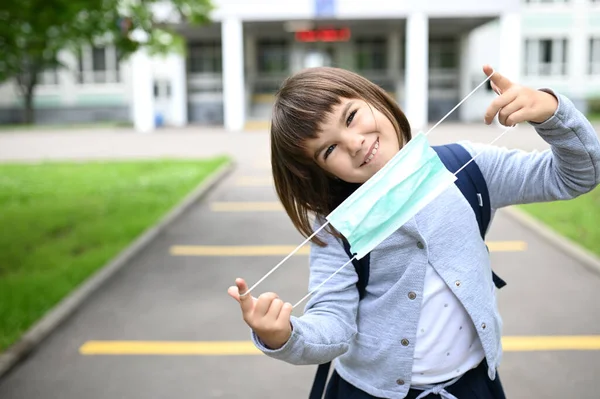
(329, 150)
(350, 118)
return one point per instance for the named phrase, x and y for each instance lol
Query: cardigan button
(412, 295)
(420, 245)
(404, 342)
(400, 381)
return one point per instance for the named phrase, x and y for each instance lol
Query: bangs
(297, 117)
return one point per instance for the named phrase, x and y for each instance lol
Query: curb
(55, 316)
(590, 260)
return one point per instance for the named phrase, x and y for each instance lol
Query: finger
(286, 313)
(263, 303)
(508, 110)
(495, 88)
(234, 293)
(275, 309)
(498, 103)
(517, 117)
(501, 81)
(246, 301)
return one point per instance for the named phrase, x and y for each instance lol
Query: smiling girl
(428, 325)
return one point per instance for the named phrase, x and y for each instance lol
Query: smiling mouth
(372, 152)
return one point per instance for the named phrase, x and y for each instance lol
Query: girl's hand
(268, 316)
(516, 103)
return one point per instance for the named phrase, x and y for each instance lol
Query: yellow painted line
(221, 348)
(206, 348)
(269, 250)
(254, 181)
(506, 246)
(551, 343)
(236, 250)
(245, 206)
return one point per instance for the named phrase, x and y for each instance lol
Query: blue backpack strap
(470, 181)
(362, 269)
(472, 185)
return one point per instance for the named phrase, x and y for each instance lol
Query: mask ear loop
(327, 223)
(286, 258)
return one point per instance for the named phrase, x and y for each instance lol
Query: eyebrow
(342, 117)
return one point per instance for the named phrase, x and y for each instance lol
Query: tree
(33, 32)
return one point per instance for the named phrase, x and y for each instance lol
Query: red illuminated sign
(323, 35)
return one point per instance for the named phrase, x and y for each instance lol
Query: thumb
(246, 301)
(501, 82)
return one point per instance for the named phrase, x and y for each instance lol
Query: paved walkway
(165, 297)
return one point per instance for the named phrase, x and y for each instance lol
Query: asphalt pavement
(164, 326)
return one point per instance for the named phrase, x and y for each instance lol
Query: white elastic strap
(286, 258)
(461, 101)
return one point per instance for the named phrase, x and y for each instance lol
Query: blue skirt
(474, 384)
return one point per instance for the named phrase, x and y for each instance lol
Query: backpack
(472, 185)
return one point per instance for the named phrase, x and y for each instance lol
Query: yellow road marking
(236, 250)
(506, 246)
(245, 206)
(551, 343)
(221, 348)
(254, 181)
(268, 250)
(168, 348)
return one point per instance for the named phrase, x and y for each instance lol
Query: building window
(443, 54)
(546, 57)
(205, 57)
(594, 68)
(273, 56)
(98, 65)
(371, 54)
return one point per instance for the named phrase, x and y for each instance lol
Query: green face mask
(404, 186)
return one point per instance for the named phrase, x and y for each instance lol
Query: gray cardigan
(374, 339)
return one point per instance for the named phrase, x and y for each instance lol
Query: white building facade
(426, 54)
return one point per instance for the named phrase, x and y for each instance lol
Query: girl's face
(356, 140)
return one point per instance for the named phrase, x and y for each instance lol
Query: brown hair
(301, 105)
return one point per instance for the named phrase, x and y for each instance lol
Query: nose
(355, 142)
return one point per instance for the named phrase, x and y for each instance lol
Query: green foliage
(577, 219)
(32, 32)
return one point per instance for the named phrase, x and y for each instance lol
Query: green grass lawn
(60, 222)
(578, 219)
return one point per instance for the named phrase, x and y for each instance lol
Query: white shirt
(447, 344)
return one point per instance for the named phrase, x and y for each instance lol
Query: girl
(428, 325)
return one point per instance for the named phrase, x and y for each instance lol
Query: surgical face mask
(413, 178)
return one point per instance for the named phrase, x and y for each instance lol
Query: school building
(427, 54)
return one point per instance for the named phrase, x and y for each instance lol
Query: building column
(417, 70)
(578, 57)
(511, 53)
(178, 78)
(234, 104)
(464, 75)
(394, 58)
(142, 86)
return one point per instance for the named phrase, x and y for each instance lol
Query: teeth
(373, 152)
